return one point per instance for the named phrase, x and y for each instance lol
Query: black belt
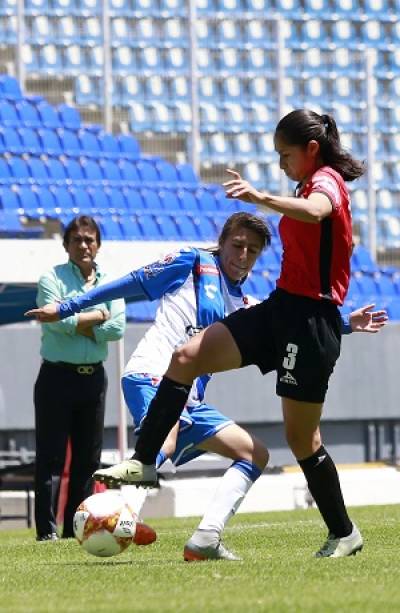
(80, 369)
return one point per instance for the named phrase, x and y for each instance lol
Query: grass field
(278, 572)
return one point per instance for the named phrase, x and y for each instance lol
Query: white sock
(233, 487)
(135, 497)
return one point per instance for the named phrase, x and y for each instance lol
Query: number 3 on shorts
(289, 361)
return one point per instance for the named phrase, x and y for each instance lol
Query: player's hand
(365, 319)
(241, 189)
(45, 314)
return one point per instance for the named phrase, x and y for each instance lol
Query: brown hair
(78, 222)
(244, 220)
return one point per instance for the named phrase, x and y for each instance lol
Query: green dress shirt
(60, 340)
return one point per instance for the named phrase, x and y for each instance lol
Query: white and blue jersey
(193, 293)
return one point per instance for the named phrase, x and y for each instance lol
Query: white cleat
(341, 547)
(197, 553)
(128, 472)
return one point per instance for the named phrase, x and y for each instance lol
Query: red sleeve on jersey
(325, 183)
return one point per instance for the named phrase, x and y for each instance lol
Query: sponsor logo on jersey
(207, 269)
(288, 378)
(210, 290)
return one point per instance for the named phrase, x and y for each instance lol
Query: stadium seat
(129, 146)
(8, 199)
(37, 170)
(110, 171)
(8, 114)
(63, 198)
(149, 227)
(73, 170)
(130, 227)
(10, 87)
(186, 173)
(151, 200)
(188, 200)
(19, 169)
(69, 116)
(147, 171)
(116, 200)
(133, 200)
(169, 200)
(55, 170)
(82, 201)
(30, 140)
(111, 228)
(91, 170)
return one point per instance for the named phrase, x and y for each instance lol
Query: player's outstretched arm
(365, 319)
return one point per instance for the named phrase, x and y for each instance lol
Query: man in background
(70, 389)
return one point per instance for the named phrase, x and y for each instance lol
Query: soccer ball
(104, 524)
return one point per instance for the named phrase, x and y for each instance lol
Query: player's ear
(313, 148)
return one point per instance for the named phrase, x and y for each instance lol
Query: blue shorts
(196, 423)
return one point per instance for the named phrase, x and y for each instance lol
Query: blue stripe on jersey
(167, 275)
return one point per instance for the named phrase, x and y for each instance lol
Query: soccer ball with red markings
(104, 524)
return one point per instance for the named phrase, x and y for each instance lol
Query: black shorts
(299, 337)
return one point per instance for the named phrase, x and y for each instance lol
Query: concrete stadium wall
(361, 420)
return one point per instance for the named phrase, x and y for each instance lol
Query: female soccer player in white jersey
(197, 287)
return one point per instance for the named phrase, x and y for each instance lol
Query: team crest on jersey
(169, 258)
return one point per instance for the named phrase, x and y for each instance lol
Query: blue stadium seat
(186, 173)
(69, 116)
(55, 170)
(167, 172)
(124, 60)
(69, 142)
(38, 170)
(130, 227)
(10, 88)
(10, 141)
(99, 200)
(167, 226)
(385, 284)
(133, 200)
(19, 169)
(48, 116)
(81, 200)
(30, 140)
(50, 59)
(141, 117)
(91, 170)
(206, 228)
(89, 142)
(188, 201)
(206, 200)
(128, 171)
(73, 169)
(169, 200)
(109, 144)
(50, 141)
(147, 171)
(110, 170)
(176, 60)
(111, 228)
(149, 227)
(151, 200)
(116, 200)
(28, 114)
(8, 114)
(362, 260)
(47, 204)
(8, 199)
(63, 198)
(5, 174)
(28, 201)
(129, 146)
(187, 227)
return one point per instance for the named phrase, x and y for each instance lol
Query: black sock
(323, 483)
(164, 411)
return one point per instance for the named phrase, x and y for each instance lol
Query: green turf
(278, 572)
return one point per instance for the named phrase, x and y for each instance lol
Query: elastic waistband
(80, 369)
(323, 303)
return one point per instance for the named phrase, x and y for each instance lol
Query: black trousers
(68, 405)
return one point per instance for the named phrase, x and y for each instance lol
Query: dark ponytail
(302, 125)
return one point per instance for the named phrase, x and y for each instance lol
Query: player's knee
(303, 444)
(183, 361)
(261, 456)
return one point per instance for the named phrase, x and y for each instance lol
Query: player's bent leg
(250, 458)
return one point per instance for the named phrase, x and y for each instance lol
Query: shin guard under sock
(323, 483)
(164, 411)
